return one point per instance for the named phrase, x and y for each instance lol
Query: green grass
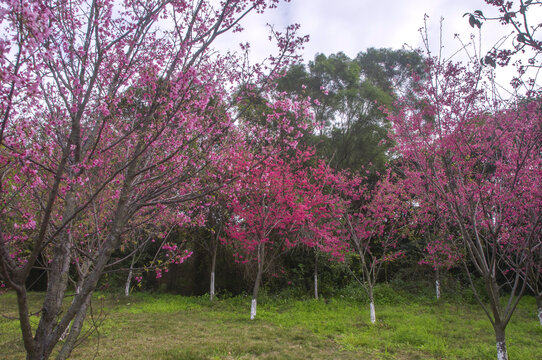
(174, 327)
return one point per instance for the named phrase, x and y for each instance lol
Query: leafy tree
(348, 96)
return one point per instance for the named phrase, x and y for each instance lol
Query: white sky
(352, 26)
(355, 25)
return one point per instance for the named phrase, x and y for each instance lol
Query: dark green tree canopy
(350, 95)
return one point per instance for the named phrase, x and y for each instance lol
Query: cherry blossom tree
(277, 207)
(440, 251)
(478, 161)
(377, 221)
(323, 227)
(111, 112)
(217, 216)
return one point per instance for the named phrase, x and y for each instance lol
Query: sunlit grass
(148, 326)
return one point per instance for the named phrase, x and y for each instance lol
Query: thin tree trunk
(74, 331)
(502, 353)
(67, 331)
(129, 278)
(213, 267)
(257, 282)
(372, 304)
(316, 275)
(26, 328)
(255, 295)
(437, 284)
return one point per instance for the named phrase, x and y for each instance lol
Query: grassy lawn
(174, 327)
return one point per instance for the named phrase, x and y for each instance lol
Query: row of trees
(466, 178)
(116, 132)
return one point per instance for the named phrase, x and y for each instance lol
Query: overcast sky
(352, 26)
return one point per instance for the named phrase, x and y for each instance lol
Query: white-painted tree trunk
(540, 315)
(316, 274)
(315, 284)
(502, 354)
(212, 287)
(128, 283)
(253, 309)
(500, 337)
(437, 282)
(213, 268)
(261, 253)
(373, 312)
(129, 278)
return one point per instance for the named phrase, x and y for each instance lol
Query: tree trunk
(213, 266)
(316, 276)
(255, 294)
(502, 354)
(57, 283)
(74, 330)
(129, 278)
(67, 331)
(437, 284)
(257, 282)
(539, 304)
(26, 327)
(372, 305)
(50, 330)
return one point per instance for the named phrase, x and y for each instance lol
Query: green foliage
(350, 95)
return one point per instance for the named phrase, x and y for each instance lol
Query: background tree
(377, 220)
(440, 250)
(275, 208)
(349, 95)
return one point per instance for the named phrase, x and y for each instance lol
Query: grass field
(148, 326)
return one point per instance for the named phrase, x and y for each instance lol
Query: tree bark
(75, 330)
(502, 353)
(316, 276)
(213, 267)
(67, 331)
(256, 288)
(129, 278)
(372, 305)
(57, 283)
(437, 284)
(26, 327)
